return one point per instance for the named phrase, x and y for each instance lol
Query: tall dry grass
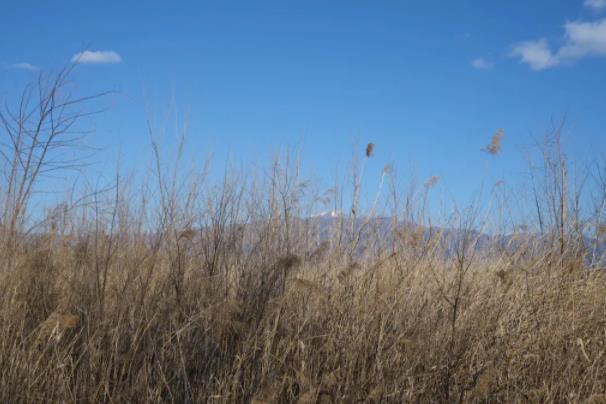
(184, 291)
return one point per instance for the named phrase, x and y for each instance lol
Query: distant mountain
(382, 227)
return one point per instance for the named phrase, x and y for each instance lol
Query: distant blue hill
(382, 228)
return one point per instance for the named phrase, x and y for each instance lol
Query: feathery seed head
(494, 147)
(432, 181)
(370, 148)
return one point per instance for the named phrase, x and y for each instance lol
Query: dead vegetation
(227, 295)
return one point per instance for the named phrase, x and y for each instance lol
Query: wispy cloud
(581, 39)
(97, 57)
(597, 5)
(584, 39)
(535, 53)
(482, 64)
(21, 66)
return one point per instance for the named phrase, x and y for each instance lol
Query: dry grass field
(179, 291)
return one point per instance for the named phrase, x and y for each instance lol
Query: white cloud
(21, 66)
(97, 57)
(481, 63)
(595, 4)
(581, 39)
(535, 53)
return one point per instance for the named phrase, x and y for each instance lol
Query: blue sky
(428, 82)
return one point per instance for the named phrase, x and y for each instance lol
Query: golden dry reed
(183, 292)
